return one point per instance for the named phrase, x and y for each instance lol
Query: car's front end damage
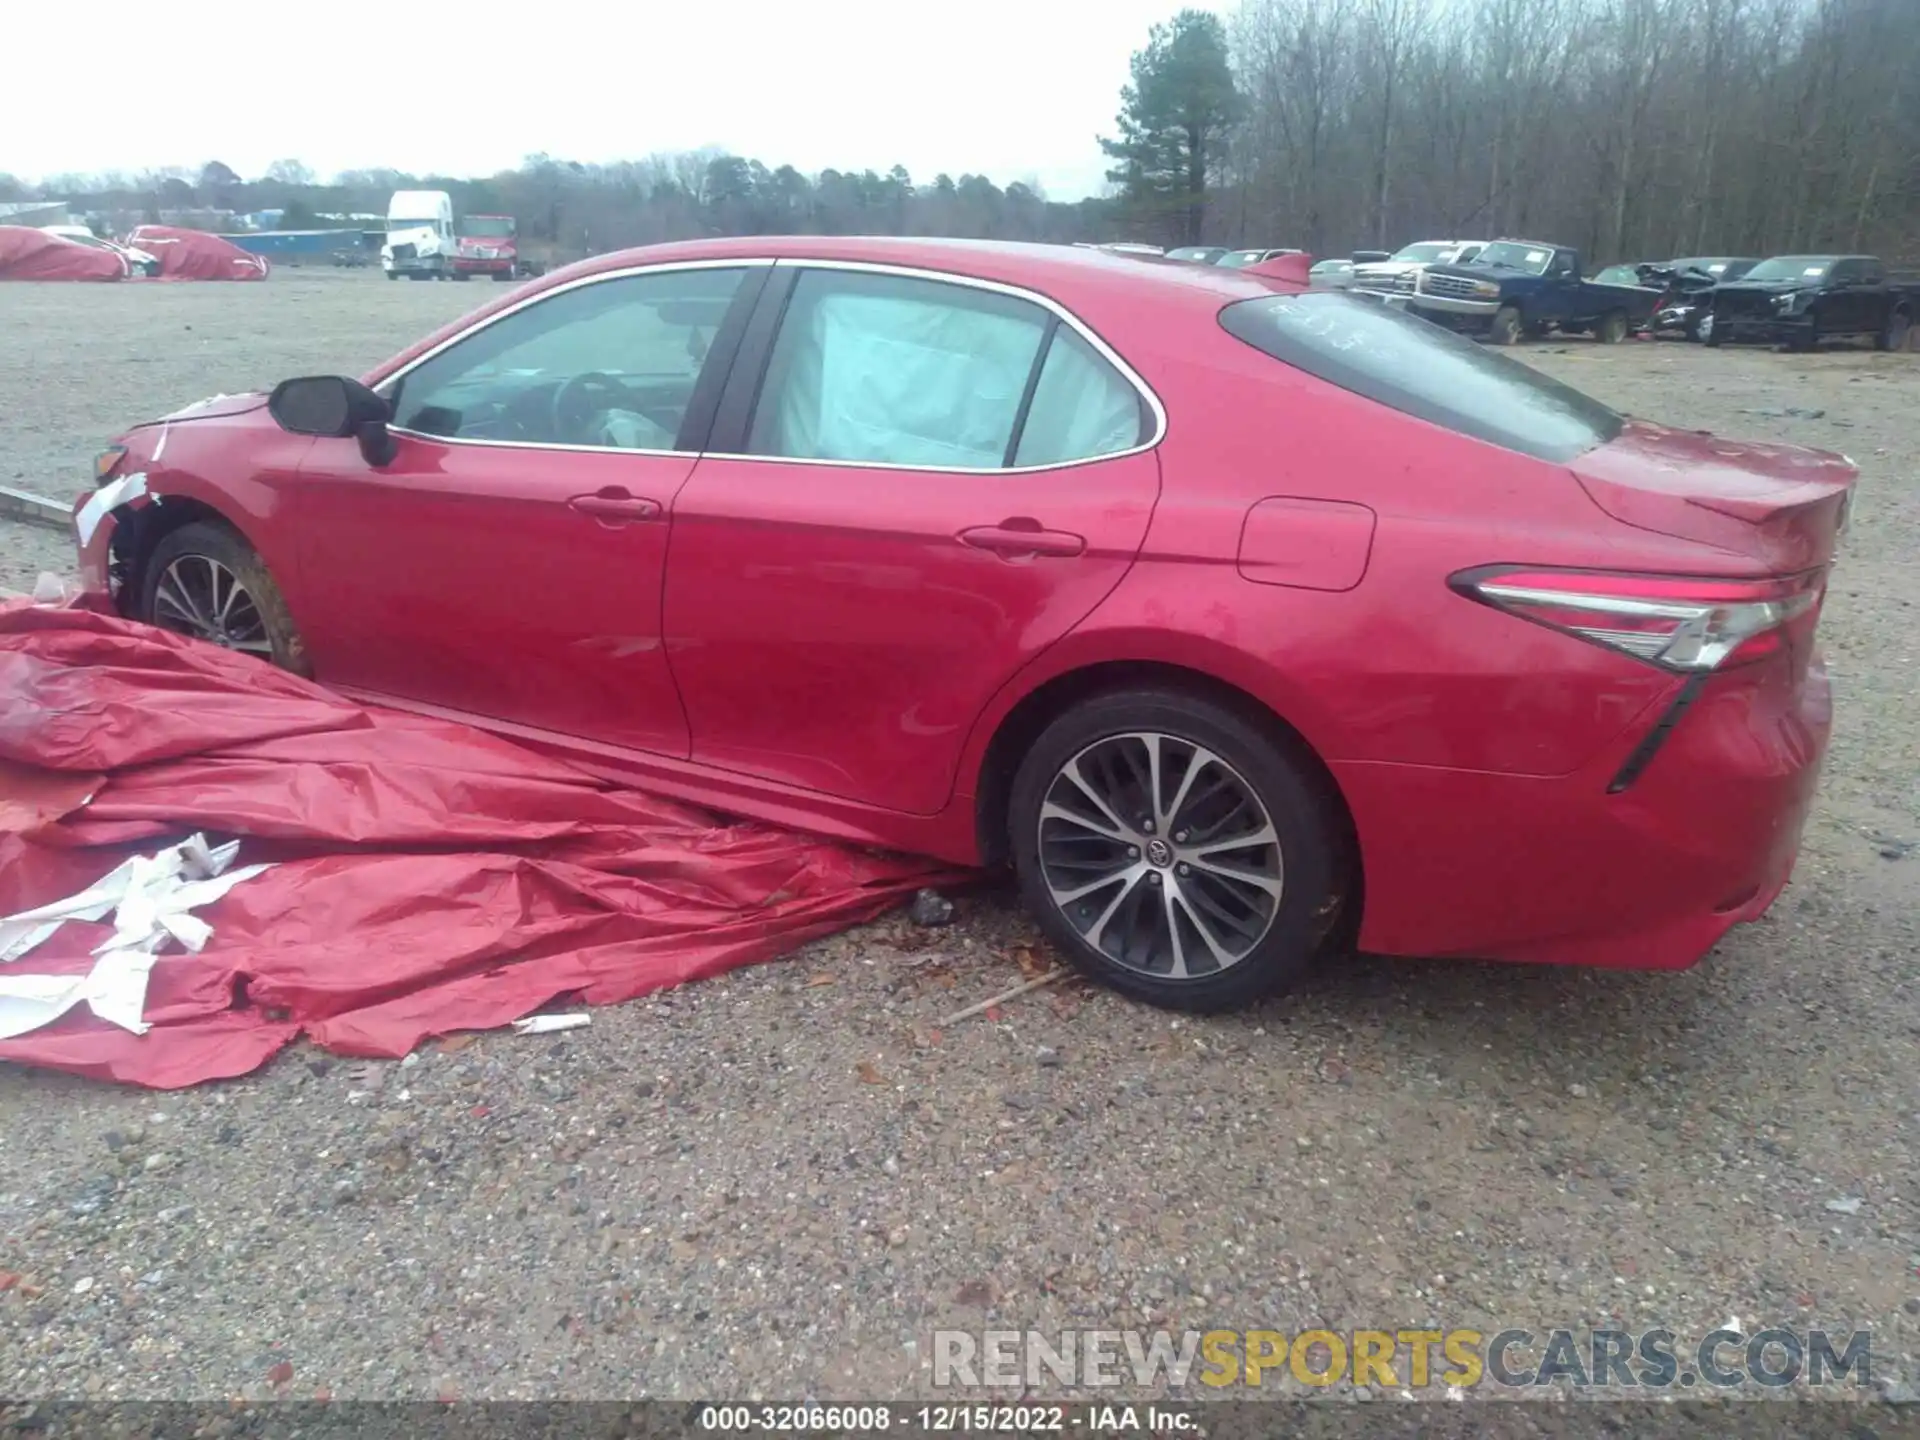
(144, 484)
(416, 250)
(1763, 314)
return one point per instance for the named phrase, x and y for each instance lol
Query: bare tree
(1632, 128)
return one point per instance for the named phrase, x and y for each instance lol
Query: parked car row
(1506, 290)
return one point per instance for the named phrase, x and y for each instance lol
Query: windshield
(1237, 259)
(1423, 370)
(1515, 256)
(1617, 275)
(412, 224)
(1426, 252)
(1791, 267)
(488, 226)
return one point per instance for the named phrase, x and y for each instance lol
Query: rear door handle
(616, 506)
(1014, 538)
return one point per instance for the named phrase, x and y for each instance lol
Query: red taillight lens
(1679, 623)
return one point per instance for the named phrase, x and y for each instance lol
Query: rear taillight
(1688, 625)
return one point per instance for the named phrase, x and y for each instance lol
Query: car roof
(1018, 263)
(1095, 284)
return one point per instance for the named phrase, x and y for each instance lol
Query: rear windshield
(1425, 371)
(1792, 267)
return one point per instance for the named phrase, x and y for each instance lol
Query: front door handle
(615, 506)
(1020, 537)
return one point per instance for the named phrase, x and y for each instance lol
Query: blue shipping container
(297, 244)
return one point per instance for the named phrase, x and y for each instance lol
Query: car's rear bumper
(1559, 871)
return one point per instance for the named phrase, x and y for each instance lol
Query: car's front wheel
(1174, 850)
(205, 581)
(1508, 326)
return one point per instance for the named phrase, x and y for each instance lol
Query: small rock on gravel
(931, 909)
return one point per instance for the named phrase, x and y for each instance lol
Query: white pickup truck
(1399, 274)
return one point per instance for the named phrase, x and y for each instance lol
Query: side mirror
(335, 407)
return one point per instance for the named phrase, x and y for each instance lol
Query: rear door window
(881, 369)
(1423, 370)
(892, 370)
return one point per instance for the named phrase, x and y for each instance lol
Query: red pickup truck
(486, 245)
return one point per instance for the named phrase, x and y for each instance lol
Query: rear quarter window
(1422, 370)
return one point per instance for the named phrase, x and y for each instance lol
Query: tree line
(1634, 129)
(580, 208)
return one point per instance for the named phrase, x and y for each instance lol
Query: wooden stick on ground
(988, 1004)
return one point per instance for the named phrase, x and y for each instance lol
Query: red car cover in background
(431, 877)
(28, 254)
(196, 255)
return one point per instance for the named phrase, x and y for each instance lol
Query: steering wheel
(579, 399)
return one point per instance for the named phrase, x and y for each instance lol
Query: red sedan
(1232, 614)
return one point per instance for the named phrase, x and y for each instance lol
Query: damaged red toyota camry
(1239, 618)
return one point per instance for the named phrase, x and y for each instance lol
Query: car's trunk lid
(1779, 507)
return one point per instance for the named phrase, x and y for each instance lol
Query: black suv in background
(1801, 300)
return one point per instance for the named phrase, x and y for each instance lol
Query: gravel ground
(779, 1183)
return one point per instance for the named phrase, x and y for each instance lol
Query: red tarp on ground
(432, 877)
(29, 254)
(196, 255)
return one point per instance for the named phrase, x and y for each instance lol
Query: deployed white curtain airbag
(897, 380)
(1081, 407)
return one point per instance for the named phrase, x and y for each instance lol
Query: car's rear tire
(205, 581)
(1508, 326)
(1216, 887)
(1893, 336)
(1612, 328)
(1710, 332)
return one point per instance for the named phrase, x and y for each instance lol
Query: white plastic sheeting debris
(151, 899)
(549, 1024)
(105, 500)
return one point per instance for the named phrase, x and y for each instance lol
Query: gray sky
(1012, 89)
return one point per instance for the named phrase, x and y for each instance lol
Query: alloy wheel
(1160, 855)
(199, 596)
